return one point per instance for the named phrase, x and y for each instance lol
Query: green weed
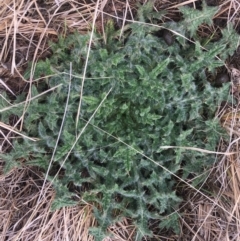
(138, 91)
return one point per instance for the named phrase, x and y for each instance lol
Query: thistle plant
(139, 95)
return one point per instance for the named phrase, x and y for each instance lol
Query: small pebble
(168, 37)
(221, 79)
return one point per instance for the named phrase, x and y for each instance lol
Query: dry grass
(217, 219)
(26, 25)
(25, 28)
(23, 218)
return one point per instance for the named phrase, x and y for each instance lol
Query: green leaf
(91, 100)
(160, 68)
(141, 71)
(193, 18)
(10, 163)
(171, 222)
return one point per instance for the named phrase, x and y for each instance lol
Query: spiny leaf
(193, 18)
